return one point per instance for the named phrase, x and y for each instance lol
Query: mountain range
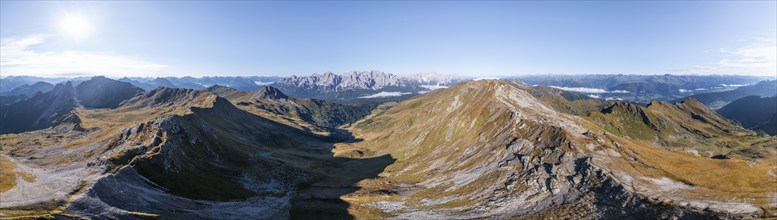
(477, 149)
(642, 88)
(308, 114)
(364, 84)
(40, 111)
(717, 100)
(248, 83)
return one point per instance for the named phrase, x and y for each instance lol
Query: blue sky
(480, 39)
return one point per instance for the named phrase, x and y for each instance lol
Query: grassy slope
(420, 133)
(211, 143)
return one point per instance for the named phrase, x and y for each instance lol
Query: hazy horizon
(400, 75)
(474, 39)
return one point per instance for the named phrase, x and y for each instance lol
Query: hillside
(313, 114)
(480, 149)
(491, 149)
(161, 152)
(44, 110)
(754, 113)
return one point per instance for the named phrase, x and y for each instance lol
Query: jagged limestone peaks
(361, 85)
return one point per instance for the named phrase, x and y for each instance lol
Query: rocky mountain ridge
(480, 149)
(522, 157)
(312, 114)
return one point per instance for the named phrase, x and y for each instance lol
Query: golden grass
(45, 210)
(8, 175)
(721, 179)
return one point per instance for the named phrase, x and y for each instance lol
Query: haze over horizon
(477, 39)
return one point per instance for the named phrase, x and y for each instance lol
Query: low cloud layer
(588, 90)
(384, 94)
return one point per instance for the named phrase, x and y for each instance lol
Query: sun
(75, 25)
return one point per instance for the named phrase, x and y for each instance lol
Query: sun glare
(75, 25)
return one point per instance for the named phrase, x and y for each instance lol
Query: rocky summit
(479, 149)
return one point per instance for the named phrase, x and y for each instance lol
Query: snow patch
(669, 184)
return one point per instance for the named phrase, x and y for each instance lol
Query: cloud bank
(758, 57)
(17, 57)
(384, 94)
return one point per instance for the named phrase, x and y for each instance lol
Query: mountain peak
(218, 88)
(180, 98)
(102, 92)
(64, 89)
(269, 92)
(40, 111)
(163, 82)
(99, 78)
(691, 100)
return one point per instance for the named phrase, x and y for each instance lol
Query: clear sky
(467, 38)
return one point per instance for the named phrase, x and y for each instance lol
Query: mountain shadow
(322, 200)
(753, 112)
(206, 156)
